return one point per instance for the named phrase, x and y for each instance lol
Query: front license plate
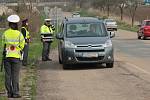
(90, 55)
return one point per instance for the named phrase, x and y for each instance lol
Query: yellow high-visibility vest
(45, 29)
(14, 41)
(27, 33)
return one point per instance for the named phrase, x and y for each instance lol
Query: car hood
(88, 40)
(111, 23)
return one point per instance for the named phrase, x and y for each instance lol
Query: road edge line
(138, 68)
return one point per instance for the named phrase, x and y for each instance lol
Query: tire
(110, 65)
(143, 37)
(139, 37)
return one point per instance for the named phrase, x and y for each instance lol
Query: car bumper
(76, 56)
(147, 34)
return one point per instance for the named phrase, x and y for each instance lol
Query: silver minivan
(84, 40)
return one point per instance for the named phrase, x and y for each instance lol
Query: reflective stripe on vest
(46, 29)
(27, 33)
(12, 39)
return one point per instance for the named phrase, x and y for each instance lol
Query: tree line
(110, 6)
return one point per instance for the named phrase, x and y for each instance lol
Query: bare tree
(121, 4)
(132, 6)
(104, 5)
(98, 4)
(30, 5)
(107, 3)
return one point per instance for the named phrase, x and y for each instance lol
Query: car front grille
(90, 59)
(87, 46)
(97, 50)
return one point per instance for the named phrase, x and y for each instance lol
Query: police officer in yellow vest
(14, 42)
(45, 29)
(25, 32)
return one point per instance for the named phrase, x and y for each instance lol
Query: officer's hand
(30, 40)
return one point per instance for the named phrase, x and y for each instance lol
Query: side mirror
(59, 36)
(112, 34)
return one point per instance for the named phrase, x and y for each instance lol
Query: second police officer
(47, 28)
(25, 32)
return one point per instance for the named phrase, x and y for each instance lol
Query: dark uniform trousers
(46, 50)
(12, 68)
(25, 54)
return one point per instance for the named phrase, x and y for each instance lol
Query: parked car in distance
(75, 14)
(111, 24)
(84, 40)
(144, 30)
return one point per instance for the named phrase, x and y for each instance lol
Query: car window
(143, 23)
(86, 30)
(110, 20)
(148, 23)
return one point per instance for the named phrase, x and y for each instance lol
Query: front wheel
(139, 37)
(143, 37)
(110, 65)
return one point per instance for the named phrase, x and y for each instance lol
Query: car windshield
(148, 23)
(86, 30)
(110, 20)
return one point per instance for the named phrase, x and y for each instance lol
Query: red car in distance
(144, 30)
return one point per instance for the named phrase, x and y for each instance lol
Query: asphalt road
(128, 80)
(133, 51)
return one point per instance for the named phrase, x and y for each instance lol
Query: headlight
(108, 43)
(68, 44)
(145, 29)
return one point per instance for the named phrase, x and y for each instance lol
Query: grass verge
(125, 26)
(29, 83)
(85, 13)
(28, 86)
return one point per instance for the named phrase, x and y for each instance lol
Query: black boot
(10, 96)
(48, 59)
(17, 96)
